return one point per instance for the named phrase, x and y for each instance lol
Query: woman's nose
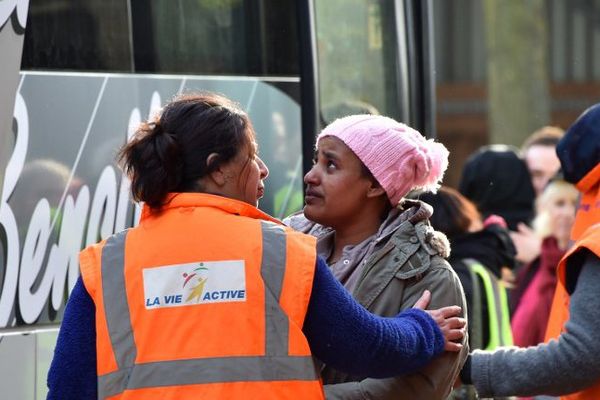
(311, 176)
(264, 171)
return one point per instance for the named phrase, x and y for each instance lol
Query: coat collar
(231, 206)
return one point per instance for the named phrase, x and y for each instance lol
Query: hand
(494, 219)
(508, 278)
(528, 244)
(452, 327)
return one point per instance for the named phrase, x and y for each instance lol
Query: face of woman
(336, 187)
(561, 210)
(246, 178)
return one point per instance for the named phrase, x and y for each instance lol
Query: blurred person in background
(496, 179)
(539, 153)
(567, 364)
(479, 253)
(536, 282)
(473, 241)
(378, 244)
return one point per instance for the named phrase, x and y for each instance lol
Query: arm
(436, 379)
(344, 335)
(555, 368)
(383, 344)
(72, 374)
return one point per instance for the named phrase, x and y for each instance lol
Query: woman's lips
(261, 192)
(311, 196)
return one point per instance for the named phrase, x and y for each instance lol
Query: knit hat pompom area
(398, 156)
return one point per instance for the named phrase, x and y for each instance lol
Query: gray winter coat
(398, 264)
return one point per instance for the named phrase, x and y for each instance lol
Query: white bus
(91, 70)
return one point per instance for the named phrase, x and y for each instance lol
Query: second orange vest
(560, 306)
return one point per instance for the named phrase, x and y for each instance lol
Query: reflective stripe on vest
(498, 315)
(275, 365)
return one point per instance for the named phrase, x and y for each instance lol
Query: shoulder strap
(475, 314)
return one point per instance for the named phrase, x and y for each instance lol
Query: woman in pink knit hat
(379, 244)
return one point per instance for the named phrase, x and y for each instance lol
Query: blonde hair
(542, 223)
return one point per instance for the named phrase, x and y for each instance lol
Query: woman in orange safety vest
(568, 365)
(209, 297)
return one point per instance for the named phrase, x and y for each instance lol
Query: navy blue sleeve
(341, 333)
(344, 335)
(72, 374)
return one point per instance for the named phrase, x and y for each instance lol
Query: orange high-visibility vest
(204, 300)
(588, 211)
(587, 236)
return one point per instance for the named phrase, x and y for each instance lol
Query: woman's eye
(330, 164)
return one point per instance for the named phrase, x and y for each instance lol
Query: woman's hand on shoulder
(448, 320)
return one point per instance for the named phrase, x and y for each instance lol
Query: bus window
(357, 47)
(212, 37)
(232, 37)
(91, 35)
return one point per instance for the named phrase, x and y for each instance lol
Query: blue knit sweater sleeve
(346, 336)
(72, 374)
(340, 332)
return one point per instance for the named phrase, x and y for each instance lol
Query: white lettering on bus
(7, 217)
(102, 215)
(6, 10)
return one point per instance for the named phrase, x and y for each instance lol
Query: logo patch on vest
(195, 283)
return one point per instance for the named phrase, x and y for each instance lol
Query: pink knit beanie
(398, 156)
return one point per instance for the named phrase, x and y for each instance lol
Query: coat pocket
(414, 265)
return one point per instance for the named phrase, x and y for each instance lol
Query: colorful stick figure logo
(197, 280)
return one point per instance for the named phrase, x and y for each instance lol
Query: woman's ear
(375, 190)
(218, 175)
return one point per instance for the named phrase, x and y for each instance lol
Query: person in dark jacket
(473, 241)
(496, 179)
